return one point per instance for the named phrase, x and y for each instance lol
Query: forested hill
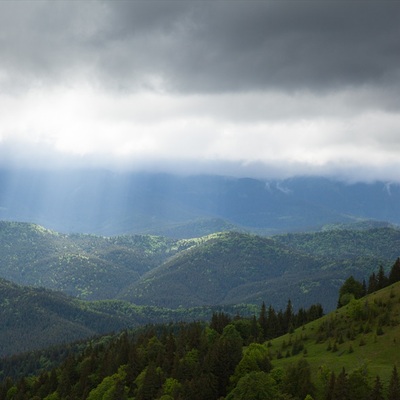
(34, 318)
(350, 353)
(233, 267)
(86, 266)
(218, 269)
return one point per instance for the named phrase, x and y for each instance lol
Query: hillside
(109, 203)
(34, 318)
(363, 335)
(87, 266)
(231, 268)
(225, 268)
(351, 351)
(218, 269)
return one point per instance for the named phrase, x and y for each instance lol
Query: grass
(348, 337)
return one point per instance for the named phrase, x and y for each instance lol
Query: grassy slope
(378, 354)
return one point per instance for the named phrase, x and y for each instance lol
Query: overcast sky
(242, 88)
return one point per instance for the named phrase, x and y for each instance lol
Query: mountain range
(113, 203)
(223, 268)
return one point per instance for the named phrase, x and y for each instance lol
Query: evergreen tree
(377, 390)
(152, 382)
(273, 324)
(341, 390)
(262, 320)
(364, 285)
(394, 386)
(314, 312)
(394, 275)
(297, 381)
(331, 387)
(223, 357)
(219, 321)
(372, 283)
(255, 330)
(382, 280)
(288, 317)
(351, 288)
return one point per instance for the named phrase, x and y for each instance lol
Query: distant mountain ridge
(110, 203)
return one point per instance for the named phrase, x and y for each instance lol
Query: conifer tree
(273, 323)
(394, 275)
(341, 390)
(297, 381)
(382, 280)
(331, 387)
(394, 386)
(377, 390)
(288, 317)
(262, 320)
(372, 283)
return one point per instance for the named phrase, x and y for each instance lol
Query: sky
(266, 89)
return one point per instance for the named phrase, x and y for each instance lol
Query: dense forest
(346, 354)
(220, 269)
(174, 359)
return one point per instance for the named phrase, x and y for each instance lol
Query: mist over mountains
(111, 203)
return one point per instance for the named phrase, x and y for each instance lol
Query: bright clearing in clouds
(239, 88)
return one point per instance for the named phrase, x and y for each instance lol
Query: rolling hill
(35, 318)
(86, 266)
(218, 269)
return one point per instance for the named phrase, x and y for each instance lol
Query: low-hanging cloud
(257, 88)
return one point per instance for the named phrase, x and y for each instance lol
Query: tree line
(354, 289)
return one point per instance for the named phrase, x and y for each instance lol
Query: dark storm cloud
(204, 46)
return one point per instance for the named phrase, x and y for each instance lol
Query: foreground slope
(338, 355)
(364, 334)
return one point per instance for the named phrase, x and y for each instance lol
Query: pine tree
(372, 283)
(377, 390)
(262, 320)
(288, 317)
(394, 275)
(394, 386)
(382, 280)
(331, 387)
(273, 324)
(219, 321)
(341, 390)
(297, 381)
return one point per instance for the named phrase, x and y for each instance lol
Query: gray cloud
(257, 88)
(205, 46)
